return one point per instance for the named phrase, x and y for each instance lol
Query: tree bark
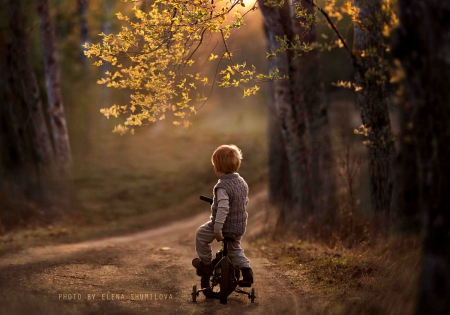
(84, 35)
(423, 48)
(26, 152)
(279, 177)
(106, 29)
(292, 118)
(57, 118)
(373, 101)
(405, 203)
(310, 86)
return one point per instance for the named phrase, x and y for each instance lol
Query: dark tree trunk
(310, 86)
(423, 48)
(106, 29)
(405, 204)
(84, 35)
(26, 152)
(373, 99)
(57, 118)
(279, 178)
(292, 118)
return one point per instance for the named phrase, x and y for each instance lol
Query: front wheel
(224, 280)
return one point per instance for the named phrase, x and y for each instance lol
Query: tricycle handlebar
(207, 199)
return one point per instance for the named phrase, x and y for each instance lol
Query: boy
(228, 215)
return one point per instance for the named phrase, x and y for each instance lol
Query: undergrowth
(369, 274)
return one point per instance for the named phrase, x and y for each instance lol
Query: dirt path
(121, 270)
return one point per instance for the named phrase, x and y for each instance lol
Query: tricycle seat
(228, 237)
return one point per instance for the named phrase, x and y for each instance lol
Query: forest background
(119, 184)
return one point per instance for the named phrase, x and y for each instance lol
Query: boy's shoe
(202, 269)
(247, 277)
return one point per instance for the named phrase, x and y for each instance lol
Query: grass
(380, 278)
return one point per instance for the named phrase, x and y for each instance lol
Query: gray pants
(203, 239)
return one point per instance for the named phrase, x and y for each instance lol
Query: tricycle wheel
(194, 293)
(207, 290)
(224, 280)
(252, 296)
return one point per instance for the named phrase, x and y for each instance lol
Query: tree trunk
(26, 152)
(373, 99)
(291, 117)
(106, 29)
(310, 86)
(279, 178)
(423, 48)
(57, 118)
(405, 204)
(84, 35)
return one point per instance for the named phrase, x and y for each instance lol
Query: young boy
(228, 215)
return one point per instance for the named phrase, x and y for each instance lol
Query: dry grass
(374, 277)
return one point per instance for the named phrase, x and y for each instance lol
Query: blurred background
(115, 185)
(118, 184)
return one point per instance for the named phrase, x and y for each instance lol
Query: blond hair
(227, 158)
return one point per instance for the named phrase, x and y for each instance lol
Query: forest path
(117, 270)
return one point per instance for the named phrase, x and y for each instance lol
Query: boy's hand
(219, 236)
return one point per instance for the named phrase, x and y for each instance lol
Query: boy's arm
(223, 207)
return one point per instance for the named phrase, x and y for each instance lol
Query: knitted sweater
(237, 190)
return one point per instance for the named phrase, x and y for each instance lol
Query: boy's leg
(238, 259)
(236, 254)
(203, 239)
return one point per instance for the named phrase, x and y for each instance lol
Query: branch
(327, 17)
(226, 46)
(196, 48)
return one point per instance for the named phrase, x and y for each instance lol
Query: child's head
(227, 158)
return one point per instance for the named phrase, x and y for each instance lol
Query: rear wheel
(206, 286)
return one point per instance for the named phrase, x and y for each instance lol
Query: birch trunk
(25, 146)
(57, 118)
(279, 178)
(292, 118)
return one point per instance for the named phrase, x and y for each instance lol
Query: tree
(279, 178)
(405, 208)
(302, 114)
(84, 34)
(26, 151)
(371, 76)
(290, 111)
(422, 46)
(310, 84)
(57, 118)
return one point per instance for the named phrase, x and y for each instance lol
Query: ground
(156, 262)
